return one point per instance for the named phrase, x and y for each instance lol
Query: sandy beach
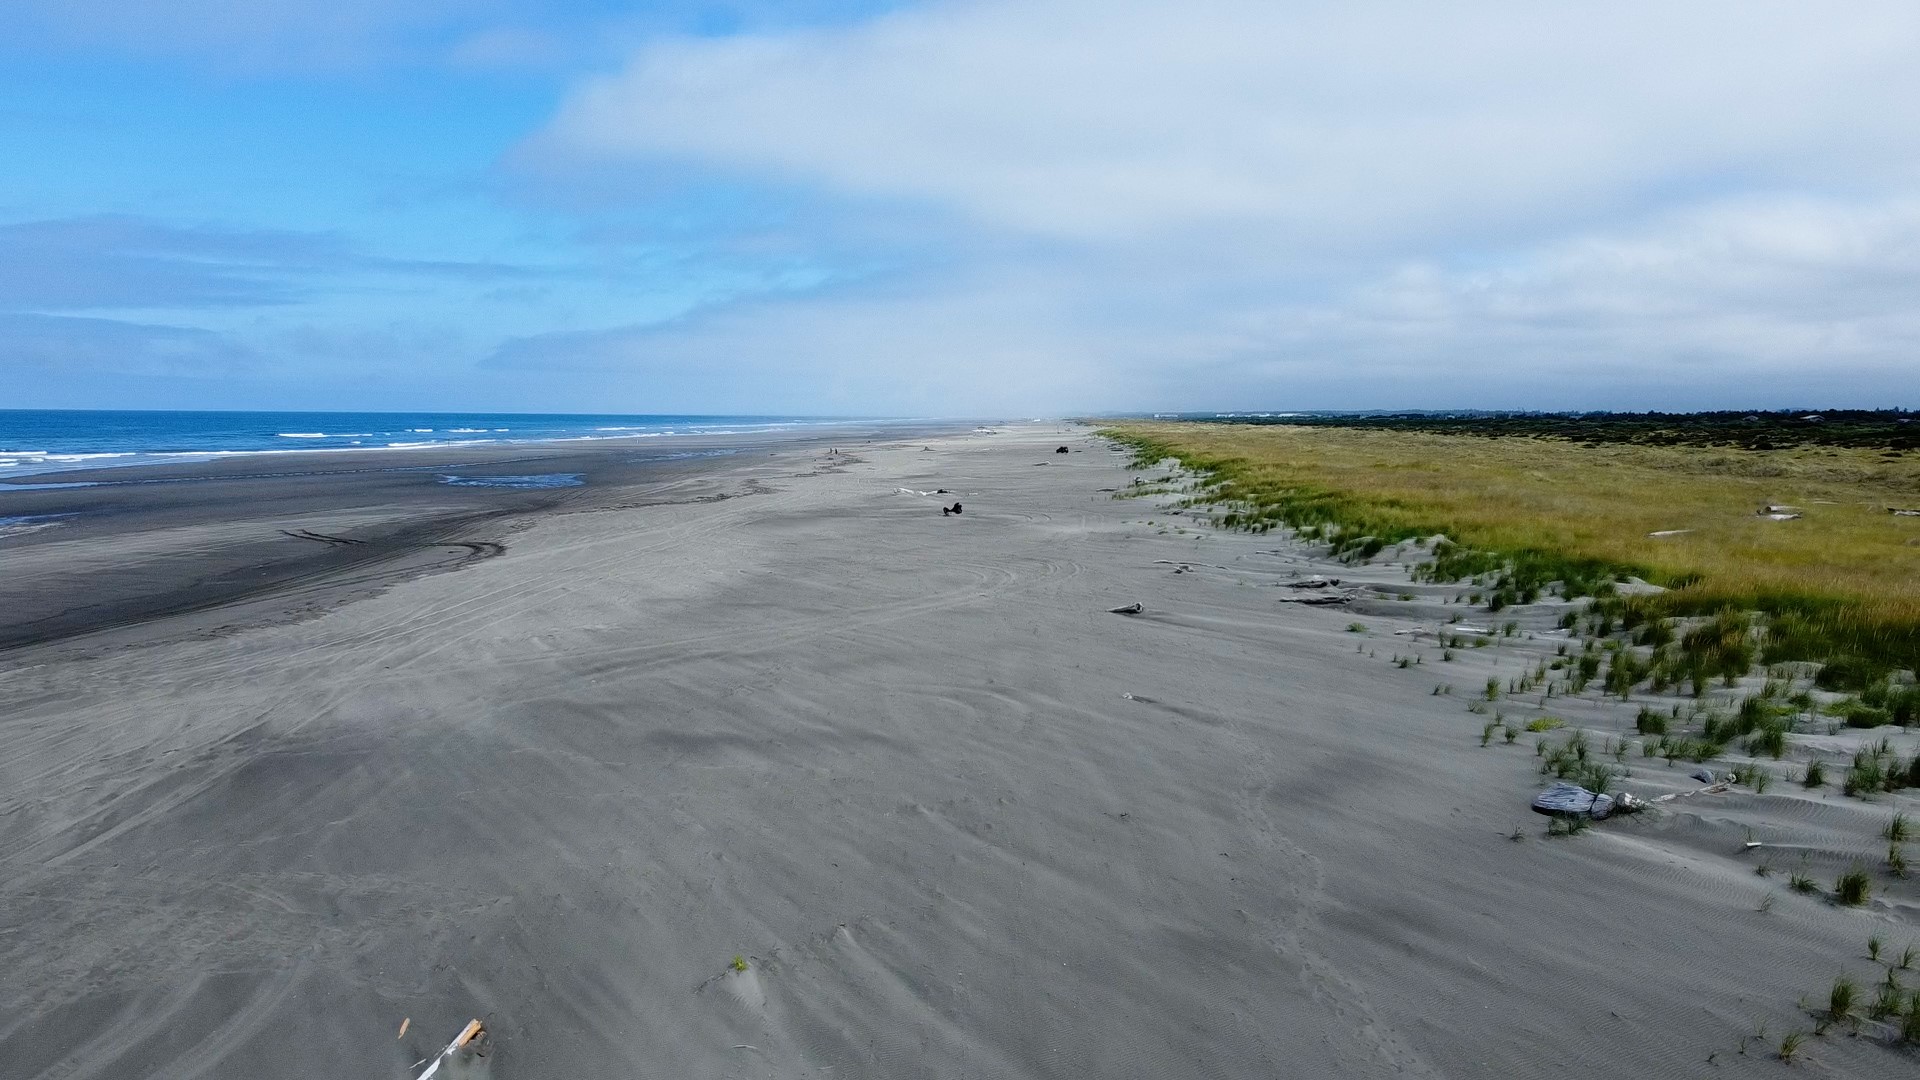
(554, 759)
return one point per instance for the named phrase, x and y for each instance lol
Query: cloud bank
(1142, 205)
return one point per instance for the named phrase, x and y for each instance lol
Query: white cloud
(1325, 124)
(1746, 303)
(1226, 203)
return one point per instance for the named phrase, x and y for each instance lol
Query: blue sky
(957, 207)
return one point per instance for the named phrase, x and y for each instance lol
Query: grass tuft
(1790, 1046)
(1816, 774)
(1889, 1000)
(1841, 1000)
(1853, 888)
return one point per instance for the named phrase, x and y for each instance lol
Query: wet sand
(252, 537)
(957, 818)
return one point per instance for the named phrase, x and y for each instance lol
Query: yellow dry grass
(1602, 502)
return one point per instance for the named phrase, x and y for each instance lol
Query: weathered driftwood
(467, 1041)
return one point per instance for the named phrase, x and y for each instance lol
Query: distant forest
(1890, 429)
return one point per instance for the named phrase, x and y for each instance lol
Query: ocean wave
(27, 460)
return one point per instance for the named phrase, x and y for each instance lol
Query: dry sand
(959, 819)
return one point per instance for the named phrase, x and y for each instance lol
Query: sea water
(36, 441)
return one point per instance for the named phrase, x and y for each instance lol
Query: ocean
(37, 441)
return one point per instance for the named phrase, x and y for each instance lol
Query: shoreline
(191, 539)
(22, 464)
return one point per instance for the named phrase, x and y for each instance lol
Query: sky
(958, 207)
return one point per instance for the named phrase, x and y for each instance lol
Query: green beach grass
(1839, 584)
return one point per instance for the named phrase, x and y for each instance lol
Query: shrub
(1859, 714)
(1848, 673)
(1626, 672)
(1841, 1000)
(1587, 669)
(1854, 887)
(1866, 776)
(1903, 705)
(1770, 740)
(1722, 646)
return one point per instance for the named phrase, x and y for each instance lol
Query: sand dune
(958, 819)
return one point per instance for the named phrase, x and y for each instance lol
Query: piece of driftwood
(1714, 789)
(468, 1036)
(1321, 599)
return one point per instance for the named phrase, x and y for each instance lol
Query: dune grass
(1842, 583)
(1853, 887)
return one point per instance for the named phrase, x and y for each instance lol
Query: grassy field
(1842, 581)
